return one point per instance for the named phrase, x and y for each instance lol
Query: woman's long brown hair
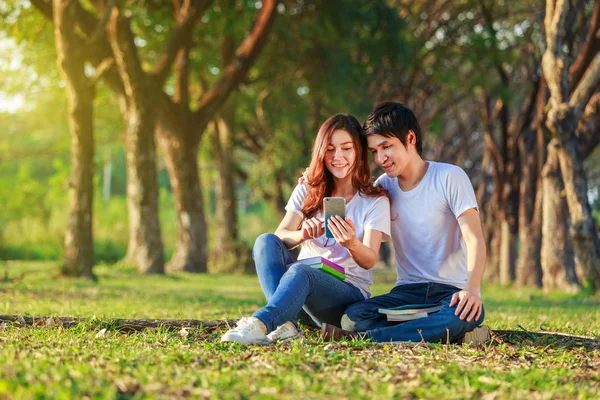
(318, 178)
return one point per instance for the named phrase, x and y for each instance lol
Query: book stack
(326, 266)
(409, 312)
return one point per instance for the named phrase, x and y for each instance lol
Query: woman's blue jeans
(297, 291)
(442, 326)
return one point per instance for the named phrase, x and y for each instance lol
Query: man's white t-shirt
(428, 243)
(366, 213)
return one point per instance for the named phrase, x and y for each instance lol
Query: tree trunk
(569, 97)
(145, 242)
(230, 254)
(557, 259)
(107, 180)
(530, 213)
(226, 196)
(533, 157)
(492, 237)
(582, 229)
(181, 158)
(507, 253)
(79, 244)
(139, 110)
(529, 268)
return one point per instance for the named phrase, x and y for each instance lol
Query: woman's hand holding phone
(343, 230)
(312, 228)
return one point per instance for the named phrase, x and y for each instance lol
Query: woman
(338, 168)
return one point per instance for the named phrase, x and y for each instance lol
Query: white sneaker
(247, 331)
(284, 333)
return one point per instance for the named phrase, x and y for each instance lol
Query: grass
(85, 362)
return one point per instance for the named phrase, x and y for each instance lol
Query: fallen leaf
(184, 333)
(488, 380)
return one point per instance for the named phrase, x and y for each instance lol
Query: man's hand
(312, 229)
(469, 305)
(302, 179)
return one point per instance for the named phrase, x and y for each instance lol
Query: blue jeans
(437, 327)
(294, 290)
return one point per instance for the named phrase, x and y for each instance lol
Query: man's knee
(459, 327)
(474, 323)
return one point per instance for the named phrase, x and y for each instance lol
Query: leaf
(183, 333)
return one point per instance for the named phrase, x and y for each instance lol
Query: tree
(568, 99)
(147, 110)
(183, 125)
(79, 244)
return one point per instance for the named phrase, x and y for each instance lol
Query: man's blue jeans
(442, 326)
(291, 287)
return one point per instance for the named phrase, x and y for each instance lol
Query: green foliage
(323, 57)
(85, 361)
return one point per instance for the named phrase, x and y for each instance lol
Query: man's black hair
(393, 119)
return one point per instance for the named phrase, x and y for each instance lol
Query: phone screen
(333, 206)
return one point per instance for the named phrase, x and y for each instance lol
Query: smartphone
(333, 206)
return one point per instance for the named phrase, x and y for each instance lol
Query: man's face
(389, 153)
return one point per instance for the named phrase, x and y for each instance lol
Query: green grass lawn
(83, 362)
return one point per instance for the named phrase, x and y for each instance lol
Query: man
(437, 236)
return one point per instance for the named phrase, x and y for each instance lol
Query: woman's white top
(367, 213)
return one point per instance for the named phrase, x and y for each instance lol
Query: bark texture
(185, 128)
(226, 197)
(181, 159)
(557, 259)
(139, 111)
(568, 99)
(79, 245)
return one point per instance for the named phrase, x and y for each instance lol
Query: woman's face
(340, 154)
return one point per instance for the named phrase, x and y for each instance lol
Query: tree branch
(101, 69)
(182, 76)
(525, 116)
(101, 24)
(101, 50)
(253, 145)
(98, 54)
(125, 54)
(180, 34)
(587, 130)
(235, 72)
(591, 47)
(43, 6)
(554, 60)
(488, 132)
(587, 86)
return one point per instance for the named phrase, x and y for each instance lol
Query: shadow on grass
(546, 339)
(552, 340)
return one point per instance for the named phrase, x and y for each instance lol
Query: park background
(161, 138)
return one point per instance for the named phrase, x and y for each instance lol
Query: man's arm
(468, 299)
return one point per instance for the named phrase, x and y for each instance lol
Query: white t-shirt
(427, 239)
(366, 213)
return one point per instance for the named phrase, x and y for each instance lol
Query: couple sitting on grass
(434, 224)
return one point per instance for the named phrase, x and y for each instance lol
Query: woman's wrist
(354, 245)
